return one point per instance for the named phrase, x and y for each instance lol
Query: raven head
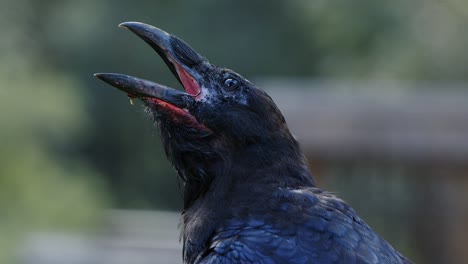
(219, 115)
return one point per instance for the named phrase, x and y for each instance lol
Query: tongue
(190, 85)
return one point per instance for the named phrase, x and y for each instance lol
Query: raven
(249, 196)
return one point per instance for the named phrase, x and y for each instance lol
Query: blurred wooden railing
(404, 121)
(126, 237)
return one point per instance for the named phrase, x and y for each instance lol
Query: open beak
(179, 57)
(144, 89)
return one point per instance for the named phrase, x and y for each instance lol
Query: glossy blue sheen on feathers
(299, 226)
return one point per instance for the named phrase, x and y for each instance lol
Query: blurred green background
(72, 146)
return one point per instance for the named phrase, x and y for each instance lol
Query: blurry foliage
(43, 185)
(419, 39)
(68, 141)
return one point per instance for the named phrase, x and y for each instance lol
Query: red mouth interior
(190, 85)
(178, 115)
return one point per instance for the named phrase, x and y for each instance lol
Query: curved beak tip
(137, 26)
(114, 79)
(127, 24)
(100, 76)
(145, 30)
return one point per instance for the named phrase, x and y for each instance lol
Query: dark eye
(231, 83)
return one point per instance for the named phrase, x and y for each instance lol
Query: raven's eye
(231, 83)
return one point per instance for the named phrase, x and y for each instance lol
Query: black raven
(249, 196)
